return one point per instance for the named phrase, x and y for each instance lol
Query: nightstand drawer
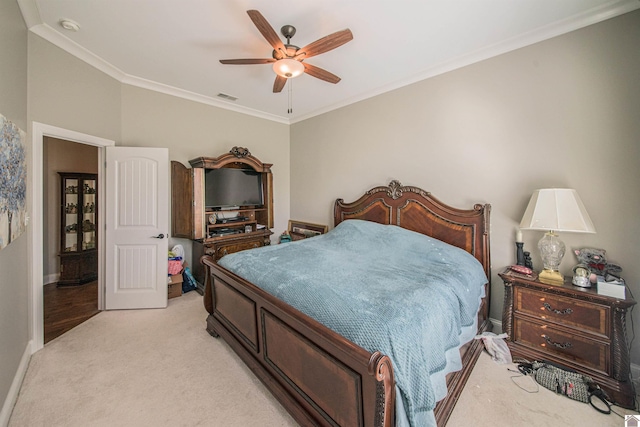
(583, 315)
(574, 348)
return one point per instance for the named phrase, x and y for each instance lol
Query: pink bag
(175, 266)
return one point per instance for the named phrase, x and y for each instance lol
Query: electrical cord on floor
(603, 405)
(525, 370)
(598, 399)
(633, 331)
(521, 386)
(629, 346)
(600, 394)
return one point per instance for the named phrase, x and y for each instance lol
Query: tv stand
(224, 232)
(219, 246)
(234, 219)
(212, 234)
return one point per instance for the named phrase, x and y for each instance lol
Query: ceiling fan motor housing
(287, 31)
(287, 58)
(289, 52)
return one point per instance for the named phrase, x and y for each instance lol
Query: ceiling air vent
(227, 97)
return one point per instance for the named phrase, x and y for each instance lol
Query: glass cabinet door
(70, 218)
(89, 214)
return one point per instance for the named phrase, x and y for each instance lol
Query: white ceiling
(173, 46)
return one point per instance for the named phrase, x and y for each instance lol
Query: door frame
(36, 236)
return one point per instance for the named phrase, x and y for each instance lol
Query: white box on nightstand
(612, 289)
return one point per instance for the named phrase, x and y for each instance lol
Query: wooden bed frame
(320, 377)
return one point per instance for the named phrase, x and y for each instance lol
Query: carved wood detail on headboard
(447, 230)
(416, 209)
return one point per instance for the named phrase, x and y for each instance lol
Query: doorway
(36, 229)
(65, 307)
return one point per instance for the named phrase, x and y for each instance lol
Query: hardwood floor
(68, 306)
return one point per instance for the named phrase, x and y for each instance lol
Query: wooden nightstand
(574, 327)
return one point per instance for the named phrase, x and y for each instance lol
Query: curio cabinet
(78, 229)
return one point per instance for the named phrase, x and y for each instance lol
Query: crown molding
(196, 97)
(593, 16)
(30, 12)
(71, 47)
(32, 18)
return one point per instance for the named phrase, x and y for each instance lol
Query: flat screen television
(228, 187)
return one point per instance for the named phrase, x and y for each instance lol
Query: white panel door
(137, 224)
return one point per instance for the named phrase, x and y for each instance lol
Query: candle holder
(519, 253)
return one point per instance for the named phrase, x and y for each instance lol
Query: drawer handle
(557, 344)
(553, 310)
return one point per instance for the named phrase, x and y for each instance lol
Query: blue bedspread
(382, 287)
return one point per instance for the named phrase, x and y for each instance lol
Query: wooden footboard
(321, 378)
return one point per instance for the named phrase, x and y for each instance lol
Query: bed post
(381, 367)
(207, 301)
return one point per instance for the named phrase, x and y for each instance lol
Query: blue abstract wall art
(13, 182)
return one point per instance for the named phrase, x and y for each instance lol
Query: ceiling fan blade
(325, 44)
(321, 74)
(266, 29)
(278, 85)
(247, 61)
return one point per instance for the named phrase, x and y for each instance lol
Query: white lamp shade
(288, 68)
(557, 209)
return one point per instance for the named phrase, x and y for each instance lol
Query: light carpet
(161, 368)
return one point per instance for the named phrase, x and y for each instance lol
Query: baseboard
(51, 278)
(14, 390)
(497, 326)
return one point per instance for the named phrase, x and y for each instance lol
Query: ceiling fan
(288, 59)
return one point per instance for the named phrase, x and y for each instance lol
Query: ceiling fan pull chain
(290, 109)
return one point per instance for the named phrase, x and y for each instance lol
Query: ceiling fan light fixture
(288, 68)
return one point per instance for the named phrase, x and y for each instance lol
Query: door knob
(159, 236)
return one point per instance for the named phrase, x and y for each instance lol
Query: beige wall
(14, 322)
(190, 129)
(560, 113)
(60, 156)
(66, 92)
(564, 113)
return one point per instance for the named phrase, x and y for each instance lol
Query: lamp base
(551, 277)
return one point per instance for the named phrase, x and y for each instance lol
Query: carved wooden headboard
(417, 210)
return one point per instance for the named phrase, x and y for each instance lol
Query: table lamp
(552, 210)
